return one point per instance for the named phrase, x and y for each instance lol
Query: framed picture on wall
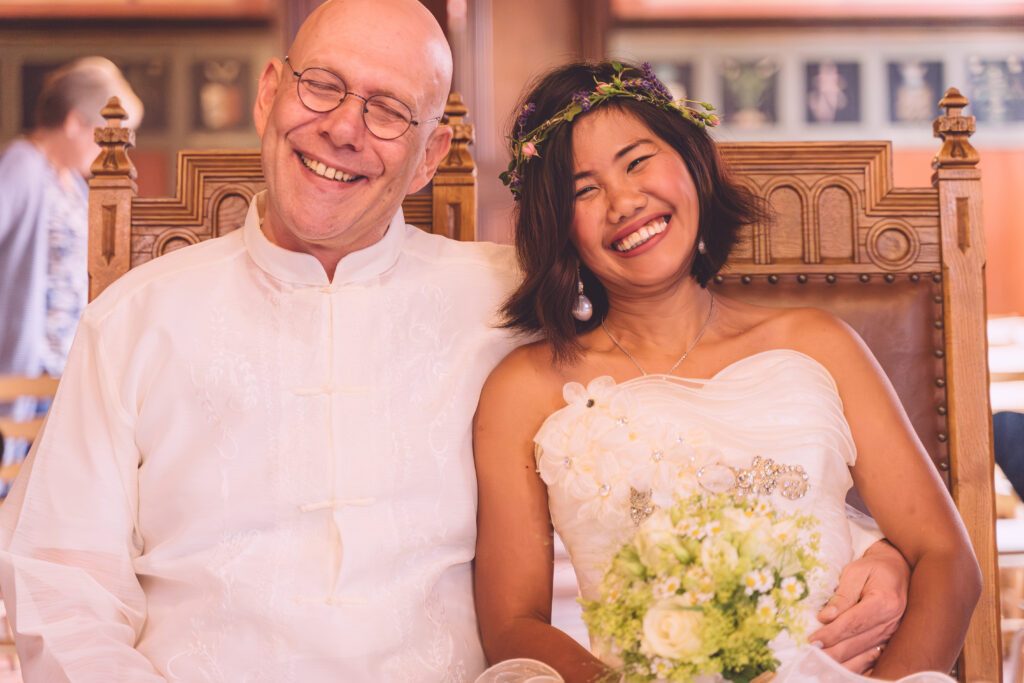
(996, 88)
(222, 94)
(832, 92)
(150, 79)
(749, 92)
(915, 87)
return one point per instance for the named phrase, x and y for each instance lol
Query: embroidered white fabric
(254, 473)
(656, 432)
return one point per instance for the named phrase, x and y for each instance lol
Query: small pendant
(583, 310)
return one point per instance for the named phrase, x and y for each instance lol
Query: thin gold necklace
(696, 340)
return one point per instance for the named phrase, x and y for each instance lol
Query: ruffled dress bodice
(613, 443)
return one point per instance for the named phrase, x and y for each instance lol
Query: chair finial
(114, 141)
(459, 159)
(954, 128)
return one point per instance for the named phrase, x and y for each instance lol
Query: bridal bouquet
(704, 588)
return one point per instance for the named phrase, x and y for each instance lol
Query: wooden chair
(213, 192)
(903, 266)
(13, 387)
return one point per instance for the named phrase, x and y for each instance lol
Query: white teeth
(325, 171)
(641, 235)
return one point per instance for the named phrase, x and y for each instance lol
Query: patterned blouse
(67, 276)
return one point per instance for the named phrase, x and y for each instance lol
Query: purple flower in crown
(582, 98)
(652, 83)
(644, 86)
(524, 115)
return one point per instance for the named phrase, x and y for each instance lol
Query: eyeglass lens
(322, 91)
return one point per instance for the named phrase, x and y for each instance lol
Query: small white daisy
(661, 667)
(666, 587)
(758, 581)
(792, 588)
(711, 528)
(766, 607)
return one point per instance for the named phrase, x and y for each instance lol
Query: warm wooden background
(499, 46)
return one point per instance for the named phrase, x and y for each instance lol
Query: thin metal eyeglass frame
(298, 92)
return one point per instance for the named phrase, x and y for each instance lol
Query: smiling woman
(673, 436)
(558, 198)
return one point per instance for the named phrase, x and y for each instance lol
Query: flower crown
(644, 88)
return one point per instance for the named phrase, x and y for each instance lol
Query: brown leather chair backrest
(905, 268)
(214, 188)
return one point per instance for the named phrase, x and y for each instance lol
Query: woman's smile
(637, 237)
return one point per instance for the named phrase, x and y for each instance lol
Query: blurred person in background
(1008, 444)
(44, 282)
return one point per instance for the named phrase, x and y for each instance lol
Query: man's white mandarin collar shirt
(301, 269)
(252, 473)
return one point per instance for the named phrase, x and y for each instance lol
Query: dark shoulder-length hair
(544, 300)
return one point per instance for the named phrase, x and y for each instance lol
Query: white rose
(718, 551)
(656, 543)
(672, 629)
(759, 542)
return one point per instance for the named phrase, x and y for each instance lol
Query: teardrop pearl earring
(583, 309)
(701, 247)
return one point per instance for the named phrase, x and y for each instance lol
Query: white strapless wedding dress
(616, 450)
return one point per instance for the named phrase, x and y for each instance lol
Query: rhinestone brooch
(640, 505)
(763, 478)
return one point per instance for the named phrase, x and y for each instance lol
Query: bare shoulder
(526, 385)
(814, 325)
(821, 335)
(527, 366)
(774, 327)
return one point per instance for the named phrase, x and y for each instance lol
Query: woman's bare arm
(514, 556)
(901, 487)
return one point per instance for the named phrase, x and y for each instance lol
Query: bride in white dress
(647, 387)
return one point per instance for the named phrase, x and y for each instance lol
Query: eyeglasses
(322, 91)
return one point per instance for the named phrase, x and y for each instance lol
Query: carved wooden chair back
(905, 268)
(213, 192)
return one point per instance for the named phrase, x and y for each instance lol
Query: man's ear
(74, 123)
(438, 143)
(270, 79)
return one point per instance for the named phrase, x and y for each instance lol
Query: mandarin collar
(301, 269)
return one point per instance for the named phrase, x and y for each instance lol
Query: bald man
(259, 466)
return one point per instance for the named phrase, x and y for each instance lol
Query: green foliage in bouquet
(704, 587)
